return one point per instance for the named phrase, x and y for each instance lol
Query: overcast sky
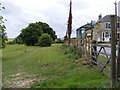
(20, 13)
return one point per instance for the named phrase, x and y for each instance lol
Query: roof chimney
(100, 16)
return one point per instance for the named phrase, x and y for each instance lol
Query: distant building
(84, 31)
(119, 8)
(102, 30)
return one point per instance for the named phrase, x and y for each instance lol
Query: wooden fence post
(113, 51)
(118, 62)
(77, 43)
(93, 52)
(89, 46)
(85, 47)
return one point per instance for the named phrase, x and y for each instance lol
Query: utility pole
(116, 20)
(113, 51)
(69, 27)
(118, 58)
(115, 8)
(118, 62)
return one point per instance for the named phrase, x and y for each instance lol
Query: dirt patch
(87, 62)
(22, 83)
(17, 74)
(22, 80)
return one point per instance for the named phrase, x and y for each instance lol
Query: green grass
(103, 63)
(47, 67)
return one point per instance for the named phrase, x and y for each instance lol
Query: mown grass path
(47, 67)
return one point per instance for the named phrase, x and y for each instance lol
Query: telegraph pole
(118, 62)
(113, 51)
(118, 58)
(116, 20)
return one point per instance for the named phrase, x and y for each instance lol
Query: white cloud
(20, 13)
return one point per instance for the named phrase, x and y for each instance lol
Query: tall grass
(48, 67)
(73, 51)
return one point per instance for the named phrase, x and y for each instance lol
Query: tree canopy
(31, 34)
(3, 36)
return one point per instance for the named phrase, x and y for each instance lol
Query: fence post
(85, 47)
(89, 46)
(113, 51)
(93, 52)
(118, 62)
(77, 42)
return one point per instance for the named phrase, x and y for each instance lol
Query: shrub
(18, 40)
(10, 42)
(76, 51)
(59, 40)
(72, 52)
(45, 40)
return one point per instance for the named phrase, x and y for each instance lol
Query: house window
(118, 35)
(103, 35)
(118, 25)
(108, 25)
(110, 34)
(109, 39)
(103, 39)
(106, 34)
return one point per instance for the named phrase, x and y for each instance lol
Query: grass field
(47, 67)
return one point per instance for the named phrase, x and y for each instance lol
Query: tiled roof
(87, 27)
(107, 19)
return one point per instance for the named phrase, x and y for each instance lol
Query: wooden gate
(101, 58)
(108, 63)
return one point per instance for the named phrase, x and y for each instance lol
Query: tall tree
(69, 26)
(31, 34)
(3, 36)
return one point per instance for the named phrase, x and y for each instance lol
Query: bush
(45, 40)
(10, 42)
(18, 40)
(72, 52)
(77, 52)
(59, 40)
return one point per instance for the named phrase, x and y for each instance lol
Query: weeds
(72, 52)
